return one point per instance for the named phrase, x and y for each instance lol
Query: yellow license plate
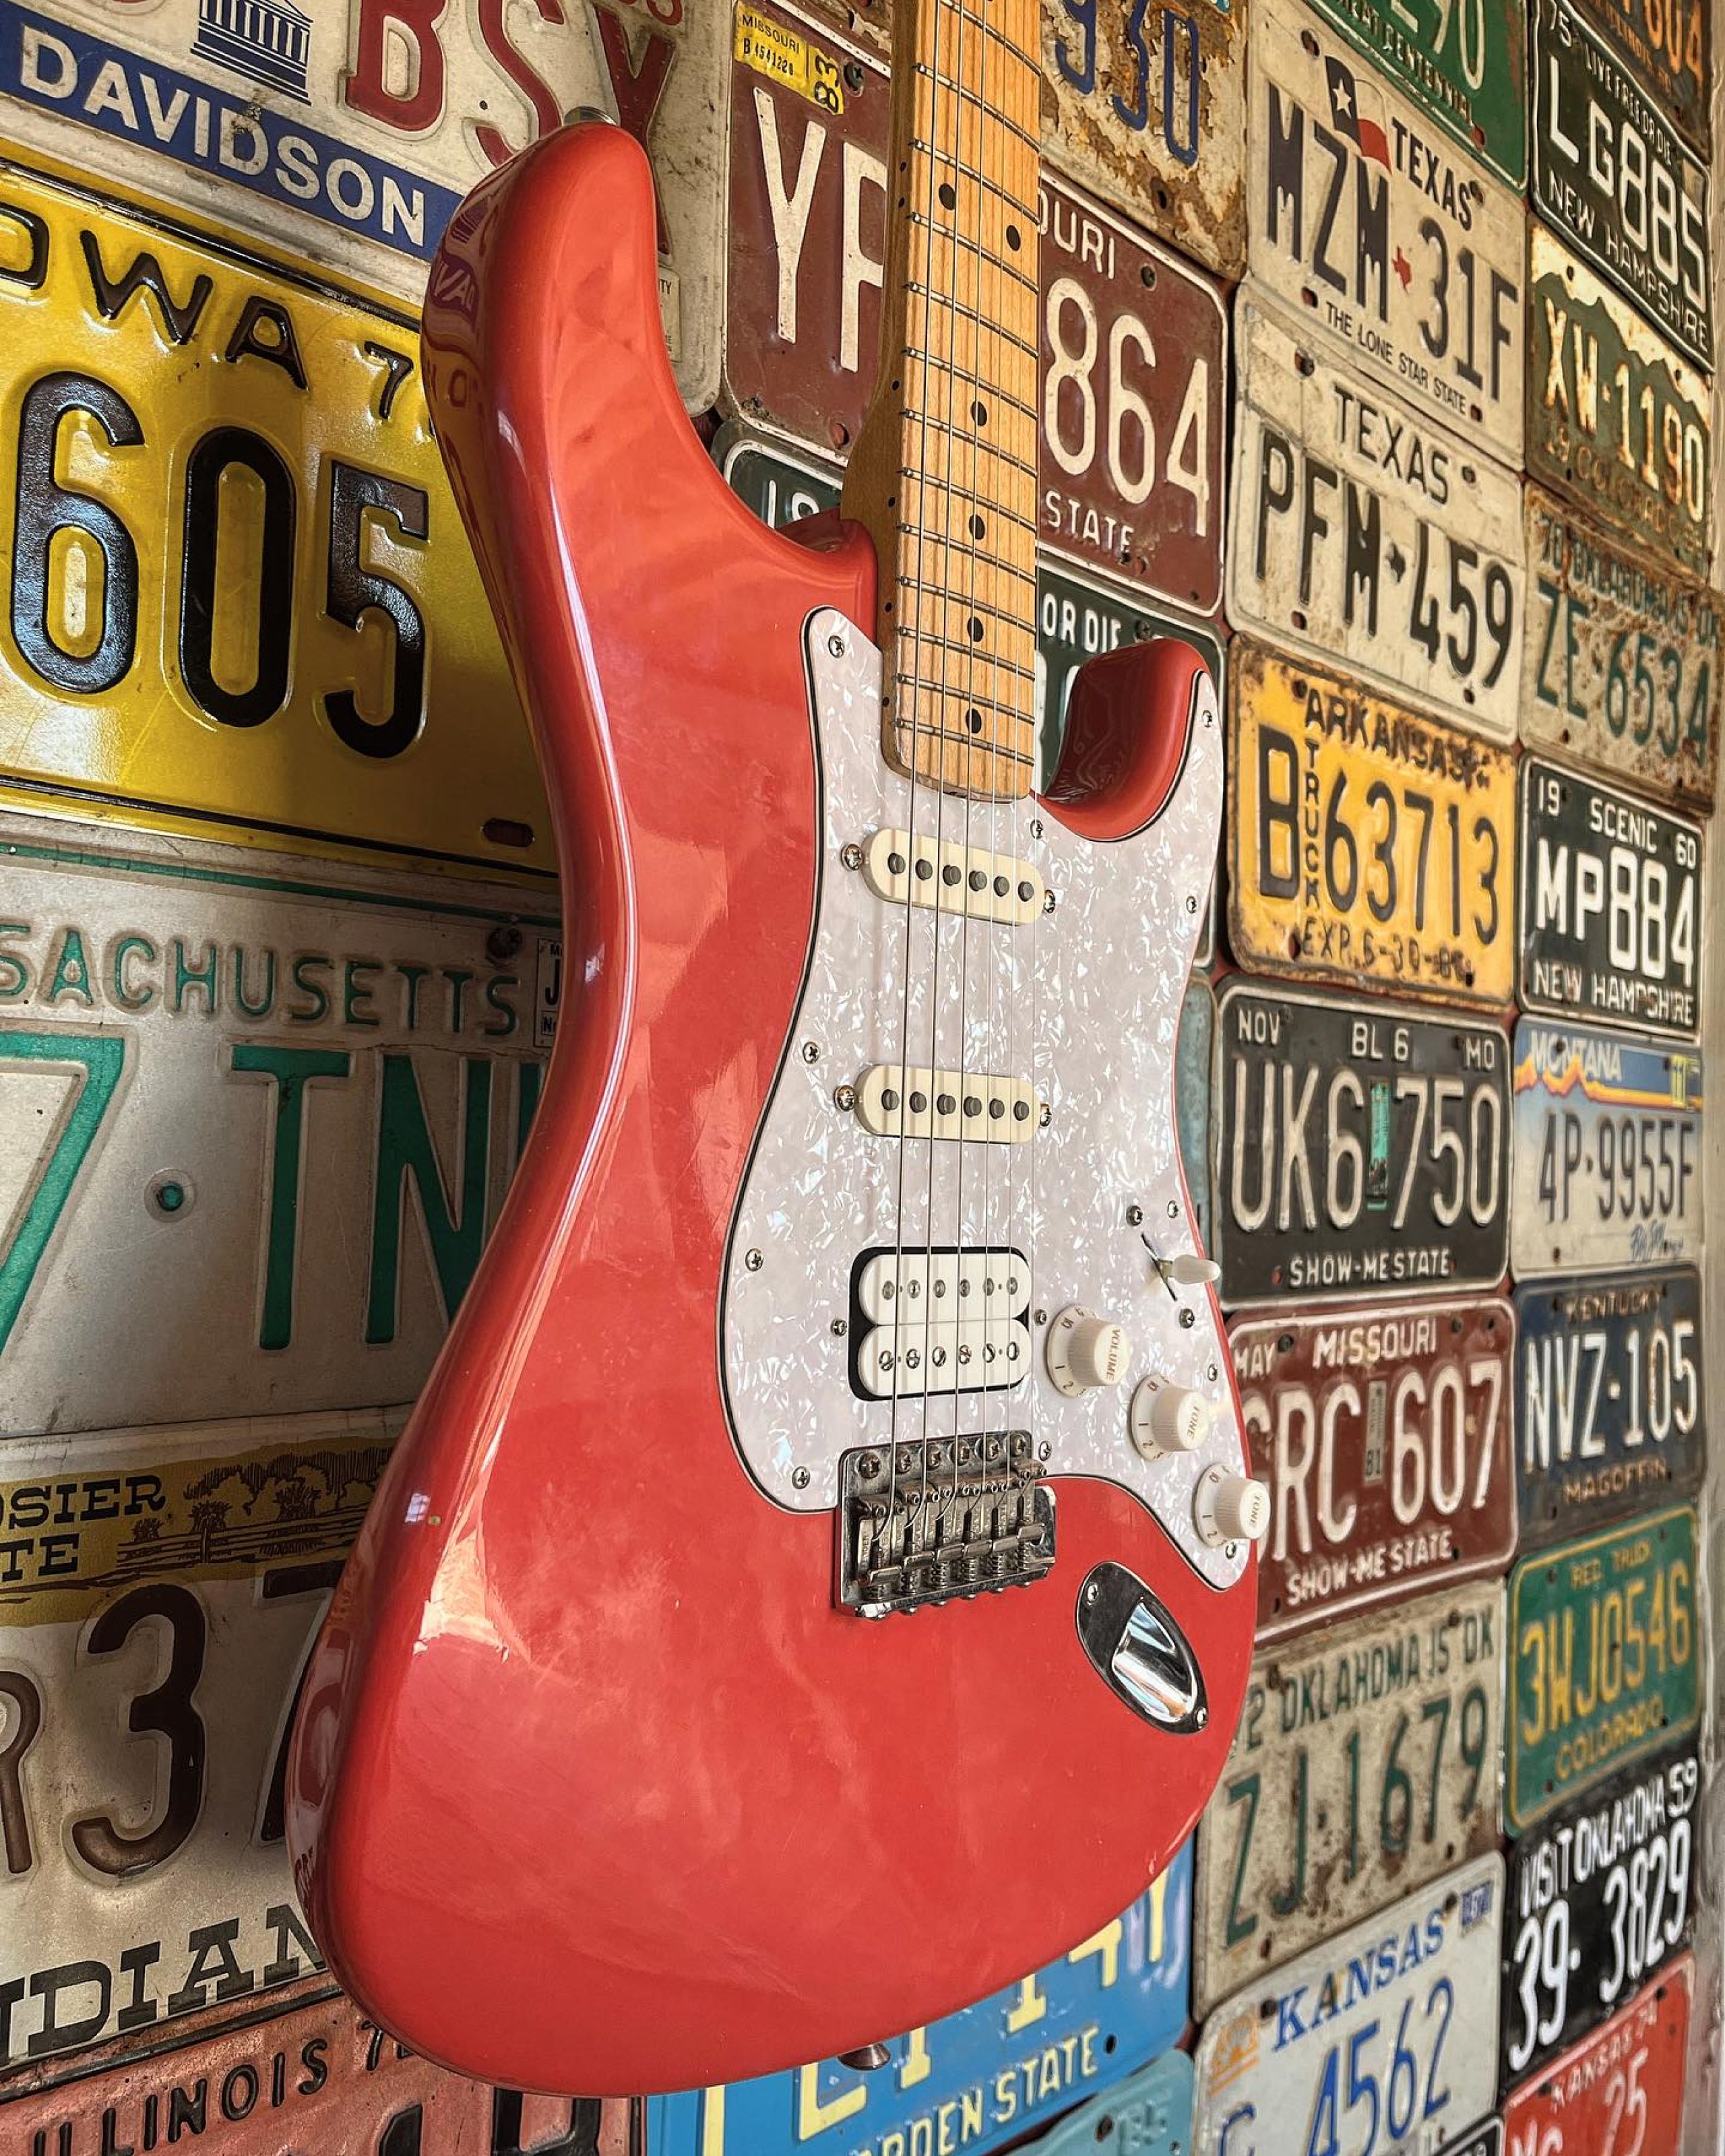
(239, 591)
(1367, 844)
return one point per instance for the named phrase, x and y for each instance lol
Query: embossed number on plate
(1359, 1146)
(1464, 66)
(1383, 1436)
(1366, 221)
(1614, 416)
(1365, 1763)
(1367, 844)
(1604, 1660)
(1621, 665)
(1635, 2069)
(1669, 44)
(1362, 534)
(1610, 1411)
(1608, 1151)
(1302, 2064)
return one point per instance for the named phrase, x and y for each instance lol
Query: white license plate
(256, 1117)
(347, 134)
(1361, 531)
(1383, 2038)
(160, 1591)
(1365, 220)
(1608, 1148)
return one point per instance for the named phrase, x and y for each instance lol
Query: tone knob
(1085, 1351)
(1165, 1417)
(1230, 1508)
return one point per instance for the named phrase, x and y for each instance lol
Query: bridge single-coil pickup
(911, 1358)
(953, 877)
(905, 1101)
(946, 1287)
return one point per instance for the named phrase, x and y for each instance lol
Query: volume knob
(1230, 1508)
(1165, 1417)
(1086, 1352)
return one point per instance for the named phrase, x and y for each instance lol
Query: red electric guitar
(817, 1585)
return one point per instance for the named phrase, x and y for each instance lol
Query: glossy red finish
(593, 1788)
(1115, 770)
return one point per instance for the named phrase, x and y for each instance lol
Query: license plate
(240, 590)
(285, 1140)
(1464, 67)
(1365, 1763)
(1146, 105)
(1607, 1152)
(1192, 1093)
(1008, 2064)
(317, 2075)
(1598, 1900)
(1365, 536)
(1610, 1399)
(1359, 1146)
(167, 1584)
(1621, 659)
(1385, 2036)
(1367, 222)
(347, 137)
(1366, 845)
(1149, 2114)
(1603, 1658)
(1383, 1435)
(1615, 180)
(1619, 2092)
(1668, 43)
(1132, 415)
(1610, 896)
(1614, 418)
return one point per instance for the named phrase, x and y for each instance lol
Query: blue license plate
(979, 2078)
(1148, 2115)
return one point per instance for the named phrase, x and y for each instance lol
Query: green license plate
(1464, 66)
(1603, 1658)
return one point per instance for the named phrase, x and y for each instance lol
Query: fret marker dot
(1014, 238)
(979, 412)
(949, 195)
(973, 720)
(976, 630)
(977, 527)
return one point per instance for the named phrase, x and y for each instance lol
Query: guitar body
(595, 1786)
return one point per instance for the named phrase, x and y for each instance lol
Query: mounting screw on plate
(811, 1051)
(752, 1262)
(799, 1478)
(1188, 1319)
(845, 1097)
(1035, 827)
(852, 855)
(1174, 1208)
(1049, 901)
(1041, 1317)
(841, 1326)
(1134, 1216)
(1045, 1118)
(836, 645)
(1191, 904)
(1211, 1372)
(1045, 1450)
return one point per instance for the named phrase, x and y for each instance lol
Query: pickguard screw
(1091, 1593)
(1046, 1117)
(752, 1262)
(1042, 1317)
(1035, 827)
(1049, 901)
(841, 1326)
(1174, 1208)
(1200, 1716)
(1188, 1319)
(1045, 1450)
(1211, 1372)
(811, 1051)
(799, 1478)
(836, 644)
(845, 1097)
(852, 855)
(1134, 1216)
(1191, 905)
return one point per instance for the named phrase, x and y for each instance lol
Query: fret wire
(1007, 569)
(983, 448)
(916, 218)
(996, 188)
(964, 602)
(987, 329)
(992, 660)
(974, 381)
(968, 742)
(974, 97)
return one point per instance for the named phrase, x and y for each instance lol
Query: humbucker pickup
(910, 1100)
(938, 1320)
(952, 878)
(938, 1519)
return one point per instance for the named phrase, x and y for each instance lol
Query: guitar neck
(944, 474)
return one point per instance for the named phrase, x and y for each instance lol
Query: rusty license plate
(1366, 845)
(1375, 2039)
(1669, 42)
(1611, 1403)
(1359, 1146)
(1133, 415)
(1383, 1436)
(1618, 2092)
(1599, 1898)
(1364, 535)
(1616, 180)
(1366, 1762)
(1607, 1152)
(347, 136)
(1465, 67)
(1604, 1660)
(1621, 663)
(1615, 417)
(1610, 904)
(1367, 221)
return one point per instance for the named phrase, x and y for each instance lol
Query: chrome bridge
(940, 1519)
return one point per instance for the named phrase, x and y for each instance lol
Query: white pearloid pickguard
(1085, 1004)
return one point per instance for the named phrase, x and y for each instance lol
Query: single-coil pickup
(952, 878)
(908, 1101)
(939, 1321)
